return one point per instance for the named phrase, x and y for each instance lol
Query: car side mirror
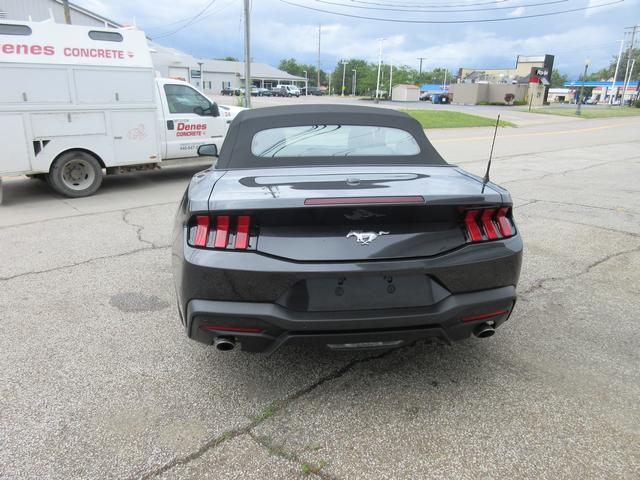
(208, 150)
(215, 111)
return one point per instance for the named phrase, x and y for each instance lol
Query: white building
(216, 74)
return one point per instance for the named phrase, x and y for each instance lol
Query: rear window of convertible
(333, 141)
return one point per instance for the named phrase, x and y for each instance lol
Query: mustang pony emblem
(365, 238)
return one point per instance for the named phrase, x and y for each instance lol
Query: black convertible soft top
(236, 149)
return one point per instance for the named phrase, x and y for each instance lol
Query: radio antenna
(486, 175)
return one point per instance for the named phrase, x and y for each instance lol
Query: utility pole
(201, 83)
(344, 71)
(67, 12)
(306, 83)
(421, 59)
(615, 75)
(355, 78)
(390, 76)
(587, 62)
(247, 56)
(379, 67)
(319, 30)
(627, 77)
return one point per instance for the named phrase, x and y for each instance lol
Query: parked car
(228, 91)
(312, 91)
(340, 226)
(264, 92)
(287, 91)
(424, 96)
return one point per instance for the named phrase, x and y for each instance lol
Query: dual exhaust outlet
(226, 344)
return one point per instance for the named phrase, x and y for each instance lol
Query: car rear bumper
(271, 326)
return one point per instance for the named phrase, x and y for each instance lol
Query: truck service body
(75, 100)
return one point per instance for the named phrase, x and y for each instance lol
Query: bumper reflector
(226, 328)
(482, 316)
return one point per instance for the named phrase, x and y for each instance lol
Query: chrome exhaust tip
(485, 330)
(224, 344)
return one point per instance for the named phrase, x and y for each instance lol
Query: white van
(76, 101)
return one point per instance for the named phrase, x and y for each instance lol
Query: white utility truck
(76, 101)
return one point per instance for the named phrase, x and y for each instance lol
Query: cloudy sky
(281, 30)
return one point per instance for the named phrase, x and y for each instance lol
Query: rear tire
(75, 174)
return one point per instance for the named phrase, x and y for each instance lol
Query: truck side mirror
(215, 111)
(208, 150)
(198, 110)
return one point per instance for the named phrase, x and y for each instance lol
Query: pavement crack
(308, 468)
(270, 411)
(139, 228)
(541, 283)
(83, 262)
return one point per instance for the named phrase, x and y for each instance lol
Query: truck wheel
(75, 174)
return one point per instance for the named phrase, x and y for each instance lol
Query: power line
(432, 5)
(189, 22)
(485, 20)
(456, 10)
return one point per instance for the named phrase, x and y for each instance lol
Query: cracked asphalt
(97, 379)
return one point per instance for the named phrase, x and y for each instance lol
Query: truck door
(189, 121)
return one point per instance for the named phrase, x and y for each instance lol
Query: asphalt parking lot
(97, 379)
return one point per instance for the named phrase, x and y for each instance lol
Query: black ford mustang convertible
(341, 227)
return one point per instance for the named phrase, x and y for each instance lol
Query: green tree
(558, 79)
(290, 65)
(606, 73)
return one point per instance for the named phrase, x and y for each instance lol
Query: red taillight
(242, 232)
(226, 328)
(472, 226)
(482, 316)
(202, 231)
(487, 223)
(503, 222)
(214, 232)
(222, 231)
(484, 224)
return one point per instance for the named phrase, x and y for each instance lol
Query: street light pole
(247, 57)
(379, 67)
(390, 76)
(306, 84)
(344, 71)
(614, 90)
(587, 62)
(355, 78)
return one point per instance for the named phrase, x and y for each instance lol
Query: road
(97, 379)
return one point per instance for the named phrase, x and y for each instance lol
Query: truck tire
(75, 174)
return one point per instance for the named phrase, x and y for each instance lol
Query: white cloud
(517, 12)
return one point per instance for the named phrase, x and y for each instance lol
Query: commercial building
(209, 75)
(521, 73)
(527, 81)
(602, 91)
(213, 75)
(405, 93)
